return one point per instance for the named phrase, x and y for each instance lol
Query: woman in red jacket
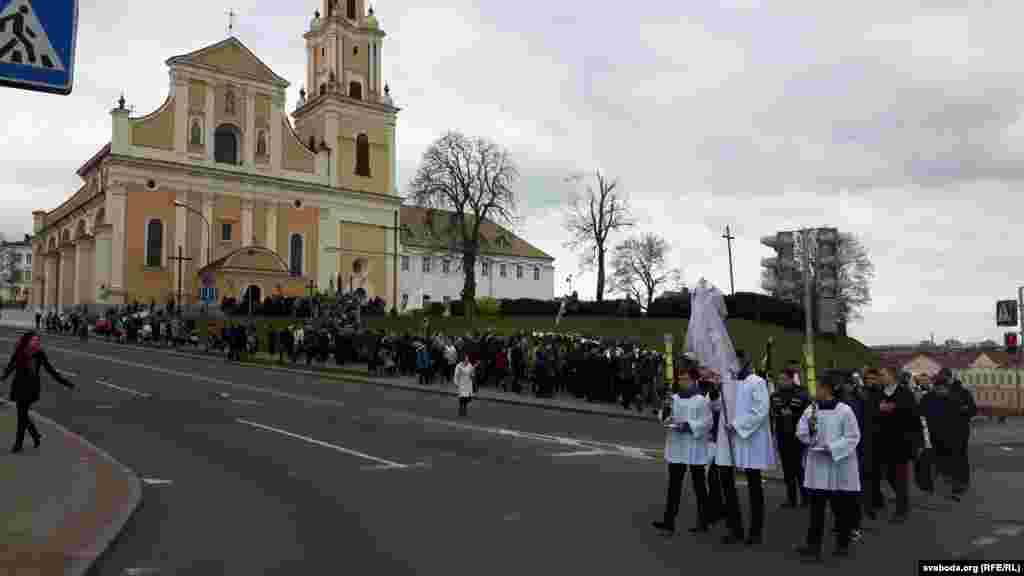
(25, 363)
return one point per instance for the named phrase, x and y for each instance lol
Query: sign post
(37, 44)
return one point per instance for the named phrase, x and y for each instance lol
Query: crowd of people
(837, 448)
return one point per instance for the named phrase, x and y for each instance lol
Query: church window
(363, 155)
(312, 143)
(154, 243)
(405, 300)
(405, 263)
(197, 133)
(225, 232)
(225, 145)
(536, 272)
(323, 89)
(519, 271)
(351, 9)
(355, 50)
(485, 269)
(323, 52)
(502, 270)
(355, 90)
(357, 267)
(426, 264)
(229, 102)
(446, 266)
(295, 255)
(261, 143)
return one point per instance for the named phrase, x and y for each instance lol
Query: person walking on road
(898, 427)
(25, 363)
(787, 406)
(688, 418)
(464, 382)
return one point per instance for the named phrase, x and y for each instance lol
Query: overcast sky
(897, 123)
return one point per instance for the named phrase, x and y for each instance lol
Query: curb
(350, 376)
(86, 558)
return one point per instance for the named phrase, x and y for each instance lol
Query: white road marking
(246, 402)
(984, 541)
(1009, 531)
(141, 572)
(156, 481)
(128, 390)
(388, 463)
(585, 453)
(193, 376)
(1006, 449)
(104, 406)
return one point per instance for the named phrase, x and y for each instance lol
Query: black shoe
(809, 552)
(664, 527)
(841, 550)
(788, 505)
(753, 540)
(898, 518)
(732, 539)
(701, 529)
(37, 440)
(15, 449)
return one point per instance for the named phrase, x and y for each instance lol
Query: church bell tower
(345, 106)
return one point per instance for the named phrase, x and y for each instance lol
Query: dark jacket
(899, 429)
(795, 400)
(25, 388)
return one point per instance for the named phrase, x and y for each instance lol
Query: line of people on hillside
(836, 449)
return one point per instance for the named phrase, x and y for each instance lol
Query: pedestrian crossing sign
(37, 44)
(1006, 313)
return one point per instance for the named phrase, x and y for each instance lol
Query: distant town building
(782, 275)
(16, 271)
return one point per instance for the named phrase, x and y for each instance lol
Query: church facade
(218, 193)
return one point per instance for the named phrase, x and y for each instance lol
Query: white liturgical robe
(746, 403)
(689, 447)
(830, 462)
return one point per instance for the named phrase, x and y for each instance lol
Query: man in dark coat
(897, 427)
(787, 406)
(962, 410)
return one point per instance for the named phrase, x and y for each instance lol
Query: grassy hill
(747, 335)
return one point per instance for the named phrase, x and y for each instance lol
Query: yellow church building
(220, 174)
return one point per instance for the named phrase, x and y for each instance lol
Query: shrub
(436, 309)
(458, 308)
(670, 307)
(529, 307)
(487, 306)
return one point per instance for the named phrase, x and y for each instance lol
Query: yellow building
(220, 174)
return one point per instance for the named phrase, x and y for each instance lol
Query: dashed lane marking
(127, 390)
(585, 453)
(193, 376)
(984, 541)
(1009, 531)
(335, 447)
(156, 481)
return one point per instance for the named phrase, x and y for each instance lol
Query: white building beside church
(507, 266)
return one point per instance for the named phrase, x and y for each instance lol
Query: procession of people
(835, 449)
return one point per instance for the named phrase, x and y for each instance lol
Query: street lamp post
(209, 247)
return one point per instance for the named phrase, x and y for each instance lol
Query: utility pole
(728, 240)
(180, 259)
(805, 239)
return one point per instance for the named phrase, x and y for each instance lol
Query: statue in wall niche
(229, 102)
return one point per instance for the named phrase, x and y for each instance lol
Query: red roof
(952, 359)
(91, 162)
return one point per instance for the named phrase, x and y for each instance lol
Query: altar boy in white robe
(688, 423)
(744, 443)
(829, 429)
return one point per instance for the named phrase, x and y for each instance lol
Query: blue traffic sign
(37, 44)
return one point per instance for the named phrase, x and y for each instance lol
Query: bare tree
(640, 268)
(856, 272)
(473, 178)
(591, 218)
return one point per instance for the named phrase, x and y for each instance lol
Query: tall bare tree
(591, 217)
(640, 268)
(473, 178)
(856, 272)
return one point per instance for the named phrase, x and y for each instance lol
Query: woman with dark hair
(25, 363)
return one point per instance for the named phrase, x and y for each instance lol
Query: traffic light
(1010, 338)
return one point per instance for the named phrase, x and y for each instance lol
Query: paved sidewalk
(64, 503)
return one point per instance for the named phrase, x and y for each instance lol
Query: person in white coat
(688, 423)
(744, 443)
(831, 474)
(464, 382)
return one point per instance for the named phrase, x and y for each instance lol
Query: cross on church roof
(231, 21)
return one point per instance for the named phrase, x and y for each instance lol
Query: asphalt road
(272, 473)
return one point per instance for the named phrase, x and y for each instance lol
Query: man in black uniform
(787, 406)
